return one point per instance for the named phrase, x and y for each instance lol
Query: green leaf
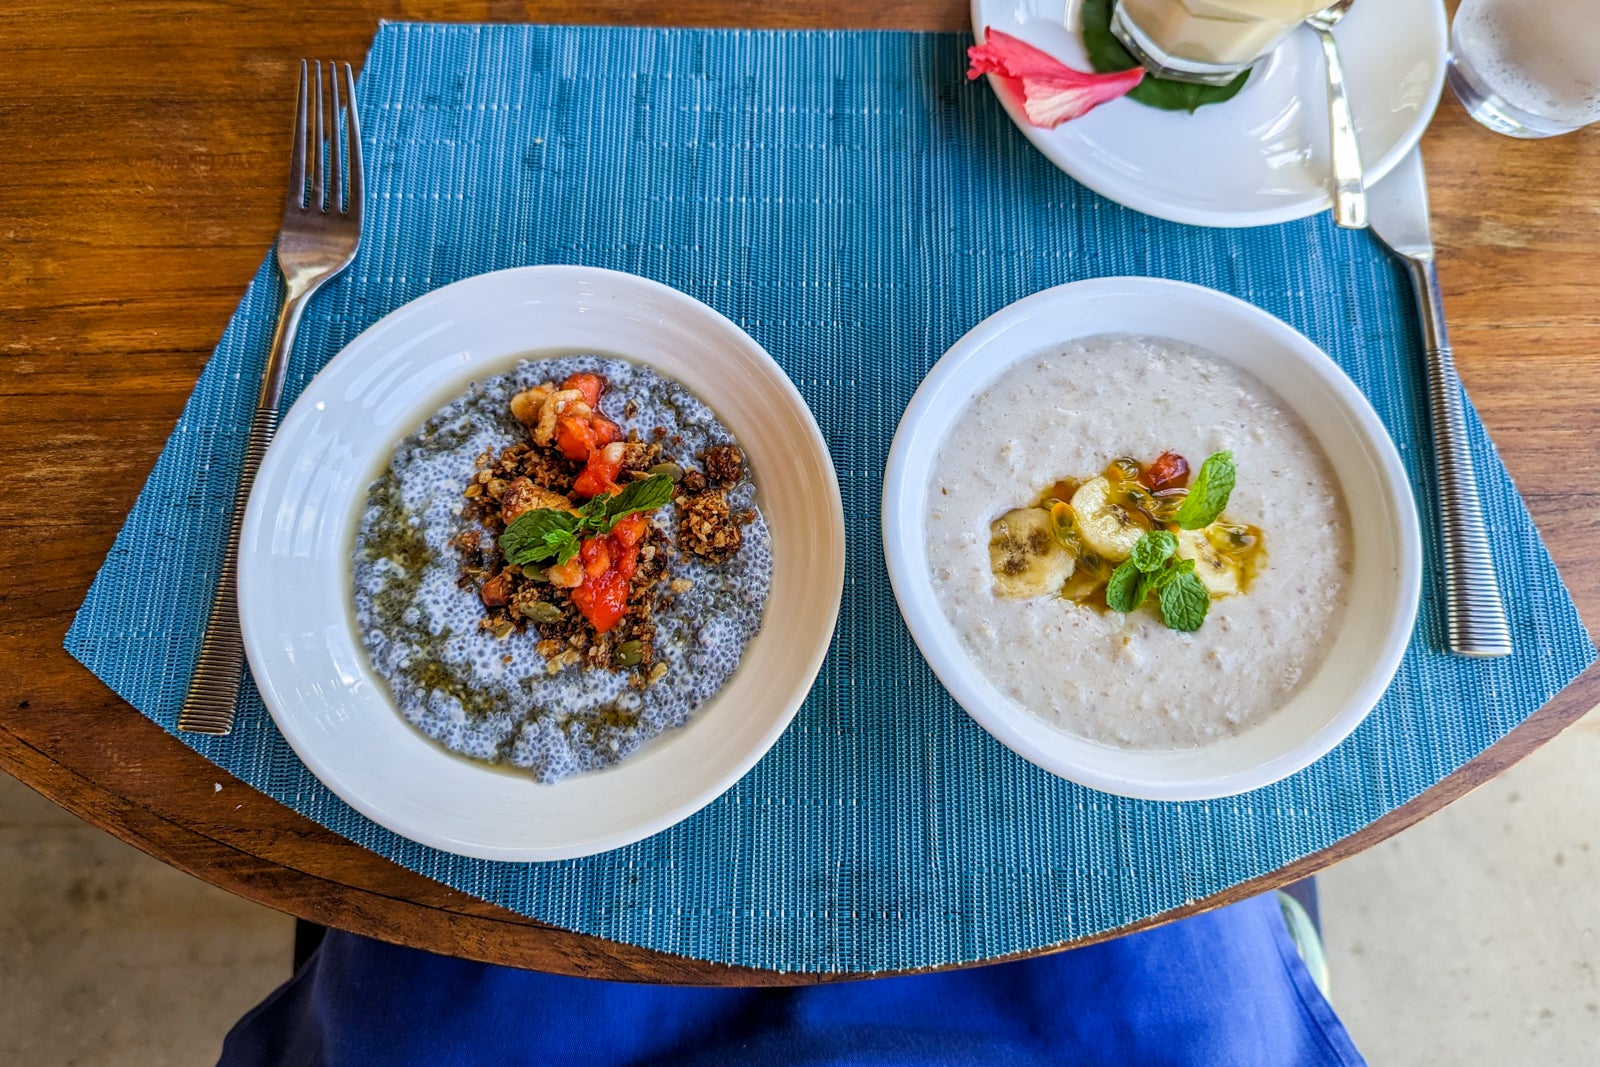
(1208, 493)
(1173, 569)
(1184, 601)
(1152, 550)
(545, 533)
(1106, 54)
(540, 534)
(644, 495)
(567, 549)
(1127, 587)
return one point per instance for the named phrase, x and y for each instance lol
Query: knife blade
(1397, 210)
(1401, 220)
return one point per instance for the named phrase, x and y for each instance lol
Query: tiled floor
(1470, 939)
(1474, 937)
(110, 957)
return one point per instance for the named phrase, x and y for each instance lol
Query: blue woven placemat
(856, 205)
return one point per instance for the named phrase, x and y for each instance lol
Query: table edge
(513, 940)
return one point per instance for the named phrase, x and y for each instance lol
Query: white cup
(1206, 41)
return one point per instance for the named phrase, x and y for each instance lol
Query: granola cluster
(706, 526)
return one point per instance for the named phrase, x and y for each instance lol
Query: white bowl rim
(925, 618)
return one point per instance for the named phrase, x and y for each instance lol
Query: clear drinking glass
(1528, 68)
(1205, 41)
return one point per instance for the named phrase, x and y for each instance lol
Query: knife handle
(1476, 615)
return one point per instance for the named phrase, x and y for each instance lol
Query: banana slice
(1219, 574)
(1107, 528)
(1026, 558)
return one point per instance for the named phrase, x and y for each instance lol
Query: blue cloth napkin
(1225, 987)
(856, 205)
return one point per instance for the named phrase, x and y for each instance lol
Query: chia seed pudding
(496, 698)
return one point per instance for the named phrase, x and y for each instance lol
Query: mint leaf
(566, 549)
(1106, 54)
(646, 494)
(1152, 550)
(1127, 587)
(1208, 493)
(540, 534)
(1184, 601)
(1175, 568)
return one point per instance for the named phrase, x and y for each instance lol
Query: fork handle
(1474, 611)
(213, 697)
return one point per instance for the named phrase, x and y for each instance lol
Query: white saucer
(1263, 156)
(295, 586)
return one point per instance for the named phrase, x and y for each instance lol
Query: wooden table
(140, 188)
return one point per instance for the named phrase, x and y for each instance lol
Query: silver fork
(318, 239)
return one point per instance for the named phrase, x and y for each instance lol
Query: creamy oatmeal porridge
(1041, 629)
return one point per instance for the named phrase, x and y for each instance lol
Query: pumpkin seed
(540, 611)
(629, 654)
(671, 470)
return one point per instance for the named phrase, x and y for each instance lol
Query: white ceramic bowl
(295, 584)
(1384, 585)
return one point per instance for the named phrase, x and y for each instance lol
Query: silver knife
(1397, 208)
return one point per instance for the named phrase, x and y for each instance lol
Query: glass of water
(1528, 68)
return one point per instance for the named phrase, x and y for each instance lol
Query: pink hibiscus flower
(1048, 91)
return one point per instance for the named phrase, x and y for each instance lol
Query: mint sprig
(545, 533)
(1208, 493)
(1154, 567)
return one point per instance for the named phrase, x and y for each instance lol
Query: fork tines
(335, 133)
